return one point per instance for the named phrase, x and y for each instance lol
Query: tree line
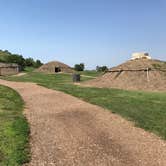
(8, 57)
(81, 67)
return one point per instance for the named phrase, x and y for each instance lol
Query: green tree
(4, 55)
(79, 67)
(101, 68)
(7, 57)
(14, 58)
(29, 62)
(38, 63)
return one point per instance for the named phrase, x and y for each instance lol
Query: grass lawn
(28, 69)
(14, 129)
(146, 109)
(91, 73)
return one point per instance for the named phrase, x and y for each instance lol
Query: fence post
(147, 74)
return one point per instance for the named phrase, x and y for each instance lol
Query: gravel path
(66, 131)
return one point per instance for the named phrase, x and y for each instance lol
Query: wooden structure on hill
(140, 55)
(9, 69)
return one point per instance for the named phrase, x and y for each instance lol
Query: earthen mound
(55, 67)
(140, 74)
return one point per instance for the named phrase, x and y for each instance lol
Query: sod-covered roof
(141, 74)
(8, 65)
(50, 67)
(139, 64)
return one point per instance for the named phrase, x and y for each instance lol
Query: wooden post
(147, 74)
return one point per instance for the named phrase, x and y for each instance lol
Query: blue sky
(96, 32)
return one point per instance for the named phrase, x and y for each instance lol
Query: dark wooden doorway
(57, 69)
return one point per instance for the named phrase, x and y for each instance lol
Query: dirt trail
(66, 131)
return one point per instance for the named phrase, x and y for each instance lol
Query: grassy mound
(142, 74)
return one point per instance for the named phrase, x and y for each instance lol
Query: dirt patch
(68, 131)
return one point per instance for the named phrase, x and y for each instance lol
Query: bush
(29, 62)
(38, 63)
(79, 67)
(101, 68)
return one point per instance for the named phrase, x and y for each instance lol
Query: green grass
(29, 69)
(52, 79)
(147, 110)
(14, 129)
(91, 73)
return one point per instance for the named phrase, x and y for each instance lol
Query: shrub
(79, 67)
(101, 68)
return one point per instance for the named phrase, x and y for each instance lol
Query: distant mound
(55, 67)
(140, 74)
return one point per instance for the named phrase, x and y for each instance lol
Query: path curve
(66, 131)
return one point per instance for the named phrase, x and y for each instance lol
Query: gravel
(66, 131)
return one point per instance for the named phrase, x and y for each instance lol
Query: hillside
(8, 57)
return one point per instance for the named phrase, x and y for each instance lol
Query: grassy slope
(147, 110)
(14, 130)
